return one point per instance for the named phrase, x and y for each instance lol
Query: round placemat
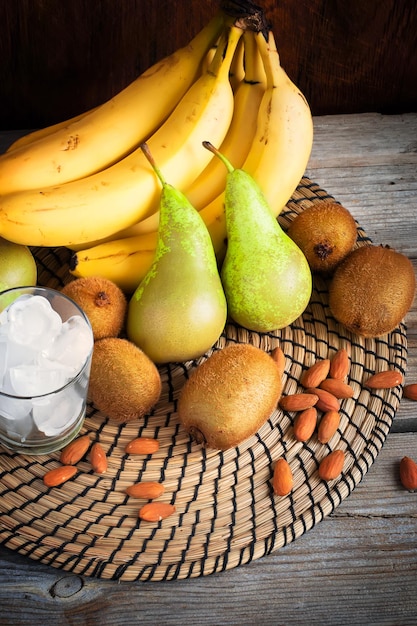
(226, 512)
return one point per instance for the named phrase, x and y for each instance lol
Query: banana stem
(221, 156)
(246, 11)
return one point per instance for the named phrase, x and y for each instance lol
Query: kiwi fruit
(372, 290)
(325, 232)
(102, 301)
(229, 396)
(124, 383)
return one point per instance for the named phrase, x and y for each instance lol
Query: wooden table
(359, 565)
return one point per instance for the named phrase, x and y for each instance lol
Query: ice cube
(19, 354)
(30, 380)
(32, 322)
(39, 355)
(73, 344)
(55, 413)
(4, 317)
(18, 430)
(3, 358)
(14, 408)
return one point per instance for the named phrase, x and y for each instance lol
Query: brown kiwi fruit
(102, 301)
(372, 290)
(326, 232)
(229, 396)
(124, 383)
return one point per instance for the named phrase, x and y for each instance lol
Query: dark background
(59, 58)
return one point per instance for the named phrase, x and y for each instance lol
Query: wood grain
(359, 565)
(62, 58)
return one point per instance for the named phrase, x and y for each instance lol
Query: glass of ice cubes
(46, 343)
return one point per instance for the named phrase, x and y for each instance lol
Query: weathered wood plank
(59, 59)
(359, 565)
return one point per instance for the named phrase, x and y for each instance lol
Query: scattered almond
(384, 380)
(332, 465)
(75, 450)
(98, 458)
(408, 473)
(142, 445)
(326, 401)
(59, 475)
(305, 424)
(282, 480)
(339, 365)
(298, 401)
(337, 387)
(148, 490)
(314, 375)
(328, 426)
(279, 357)
(410, 391)
(156, 511)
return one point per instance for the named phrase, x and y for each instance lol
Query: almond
(337, 387)
(410, 391)
(408, 473)
(148, 490)
(98, 458)
(156, 511)
(314, 375)
(326, 401)
(339, 365)
(305, 424)
(59, 475)
(298, 401)
(384, 380)
(332, 465)
(282, 481)
(75, 450)
(279, 357)
(328, 426)
(142, 445)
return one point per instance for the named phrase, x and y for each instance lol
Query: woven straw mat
(226, 512)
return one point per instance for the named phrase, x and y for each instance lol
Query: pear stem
(221, 156)
(145, 149)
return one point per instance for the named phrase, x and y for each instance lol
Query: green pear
(179, 309)
(265, 275)
(17, 266)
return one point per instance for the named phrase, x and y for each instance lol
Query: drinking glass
(46, 344)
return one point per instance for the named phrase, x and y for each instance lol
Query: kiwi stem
(221, 156)
(145, 149)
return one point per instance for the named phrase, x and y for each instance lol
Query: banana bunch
(85, 183)
(98, 138)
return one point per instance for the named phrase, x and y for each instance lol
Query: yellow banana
(281, 122)
(281, 148)
(97, 206)
(33, 136)
(211, 181)
(209, 56)
(237, 68)
(112, 130)
(124, 261)
(280, 152)
(237, 71)
(236, 145)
